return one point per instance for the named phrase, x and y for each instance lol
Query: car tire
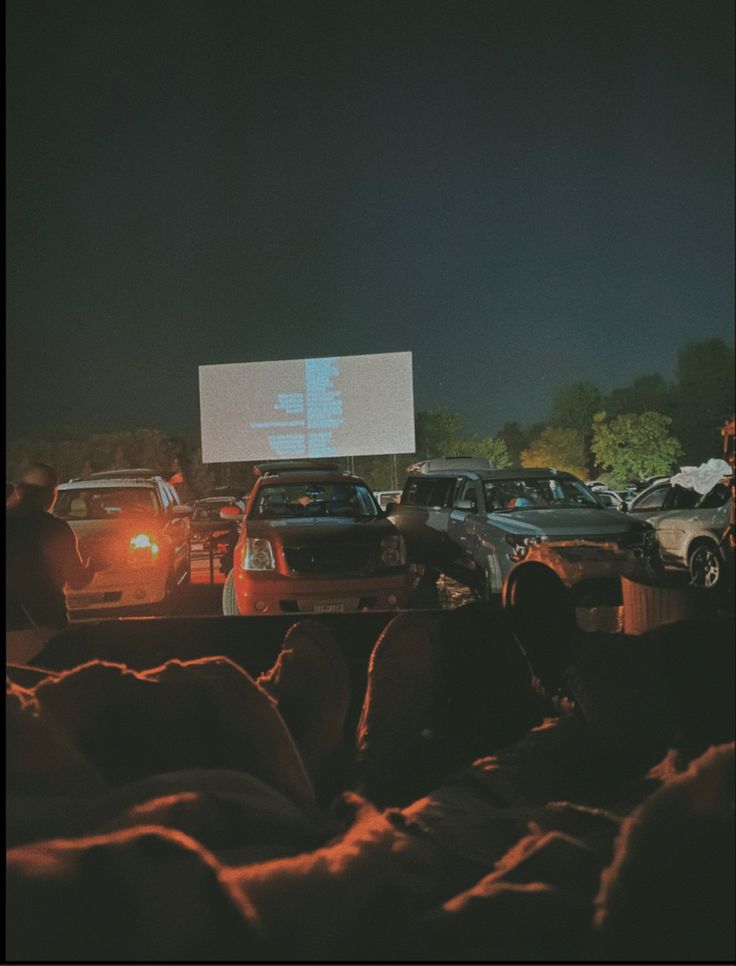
(705, 566)
(229, 601)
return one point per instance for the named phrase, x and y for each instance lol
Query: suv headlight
(393, 551)
(521, 543)
(258, 554)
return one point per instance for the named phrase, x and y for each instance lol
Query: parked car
(537, 541)
(609, 498)
(694, 538)
(315, 541)
(483, 527)
(212, 532)
(385, 497)
(139, 527)
(209, 526)
(662, 496)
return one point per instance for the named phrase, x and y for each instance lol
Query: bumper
(118, 588)
(273, 593)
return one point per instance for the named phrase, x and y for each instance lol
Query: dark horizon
(521, 194)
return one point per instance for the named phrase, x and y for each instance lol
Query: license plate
(197, 546)
(332, 607)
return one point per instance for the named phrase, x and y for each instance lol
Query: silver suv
(537, 540)
(138, 526)
(485, 527)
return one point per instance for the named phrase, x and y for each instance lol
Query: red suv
(315, 541)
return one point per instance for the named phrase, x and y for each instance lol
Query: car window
(165, 496)
(314, 499)
(442, 492)
(715, 498)
(467, 490)
(202, 513)
(417, 491)
(652, 501)
(105, 503)
(538, 493)
(681, 498)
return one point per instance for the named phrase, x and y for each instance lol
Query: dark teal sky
(520, 193)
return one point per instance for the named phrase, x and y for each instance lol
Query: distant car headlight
(522, 543)
(393, 551)
(258, 554)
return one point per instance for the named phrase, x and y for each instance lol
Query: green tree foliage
(649, 393)
(486, 448)
(557, 446)
(574, 405)
(634, 446)
(702, 397)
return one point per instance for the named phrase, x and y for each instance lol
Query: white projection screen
(336, 406)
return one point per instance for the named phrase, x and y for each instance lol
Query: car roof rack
(280, 467)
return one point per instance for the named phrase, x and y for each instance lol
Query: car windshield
(105, 503)
(538, 493)
(313, 499)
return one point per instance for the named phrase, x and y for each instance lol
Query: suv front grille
(325, 560)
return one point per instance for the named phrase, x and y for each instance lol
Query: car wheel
(229, 601)
(706, 566)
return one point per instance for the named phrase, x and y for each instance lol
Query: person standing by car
(41, 556)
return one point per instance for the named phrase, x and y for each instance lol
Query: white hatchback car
(139, 528)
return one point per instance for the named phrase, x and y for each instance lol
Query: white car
(139, 529)
(384, 497)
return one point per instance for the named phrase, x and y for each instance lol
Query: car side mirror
(230, 513)
(465, 505)
(624, 507)
(391, 507)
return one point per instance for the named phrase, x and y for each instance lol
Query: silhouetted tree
(703, 397)
(574, 405)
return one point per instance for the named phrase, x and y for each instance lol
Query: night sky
(521, 193)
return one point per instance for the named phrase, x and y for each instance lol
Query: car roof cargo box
(444, 463)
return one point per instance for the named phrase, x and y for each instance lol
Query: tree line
(648, 427)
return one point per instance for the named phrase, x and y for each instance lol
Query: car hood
(313, 530)
(567, 524)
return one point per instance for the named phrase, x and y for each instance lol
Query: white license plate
(197, 546)
(329, 607)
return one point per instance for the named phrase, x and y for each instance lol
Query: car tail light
(143, 548)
